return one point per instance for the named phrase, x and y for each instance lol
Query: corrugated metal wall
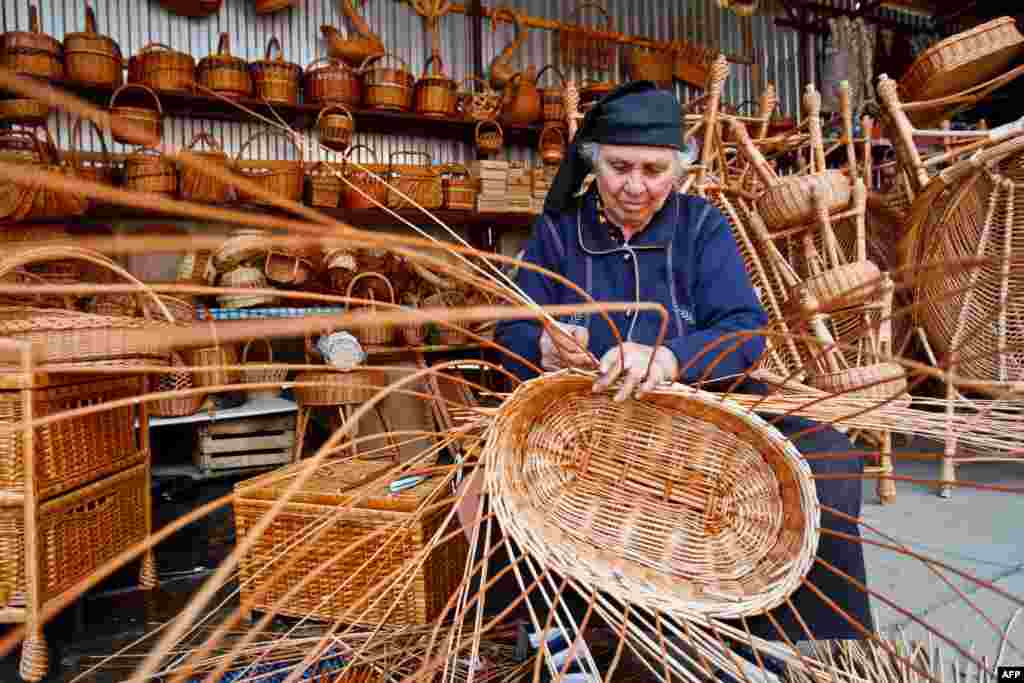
(135, 23)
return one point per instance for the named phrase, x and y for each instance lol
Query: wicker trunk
(334, 592)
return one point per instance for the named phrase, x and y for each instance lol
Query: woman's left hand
(632, 360)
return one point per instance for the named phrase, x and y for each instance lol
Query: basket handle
(75, 152)
(369, 274)
(373, 58)
(208, 139)
(546, 130)
(329, 60)
(224, 45)
(54, 253)
(90, 20)
(494, 123)
(266, 342)
(410, 152)
(364, 146)
(554, 69)
(260, 133)
(431, 60)
(270, 44)
(113, 97)
(593, 5)
(151, 47)
(335, 107)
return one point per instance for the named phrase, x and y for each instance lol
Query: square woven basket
(337, 589)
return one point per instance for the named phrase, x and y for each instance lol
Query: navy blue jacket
(687, 260)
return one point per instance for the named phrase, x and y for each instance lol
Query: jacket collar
(594, 237)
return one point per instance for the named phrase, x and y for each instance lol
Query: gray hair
(591, 153)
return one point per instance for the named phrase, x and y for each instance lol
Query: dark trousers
(824, 622)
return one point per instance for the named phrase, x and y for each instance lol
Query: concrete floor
(975, 531)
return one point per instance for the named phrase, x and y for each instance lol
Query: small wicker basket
(151, 172)
(180, 380)
(459, 187)
(387, 87)
(246, 247)
(360, 190)
(290, 266)
(787, 204)
(163, 69)
(200, 187)
(489, 137)
(261, 375)
(275, 80)
(213, 360)
(551, 144)
(552, 99)
(92, 59)
(332, 81)
(150, 120)
(336, 126)
(224, 73)
(324, 186)
(283, 178)
(369, 335)
(479, 106)
(102, 170)
(245, 277)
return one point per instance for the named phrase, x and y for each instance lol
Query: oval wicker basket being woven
(787, 203)
(682, 502)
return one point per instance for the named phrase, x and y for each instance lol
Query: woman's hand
(565, 347)
(632, 360)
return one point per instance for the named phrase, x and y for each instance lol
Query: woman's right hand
(565, 347)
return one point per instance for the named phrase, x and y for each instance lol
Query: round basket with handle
(489, 137)
(284, 178)
(178, 406)
(223, 73)
(275, 80)
(436, 94)
(92, 59)
(387, 87)
(149, 120)
(479, 106)
(261, 375)
(521, 104)
(732, 531)
(163, 69)
(551, 144)
(372, 192)
(213, 360)
(336, 126)
(371, 335)
(332, 81)
(552, 100)
(201, 187)
(101, 170)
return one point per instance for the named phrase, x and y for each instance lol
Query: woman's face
(634, 182)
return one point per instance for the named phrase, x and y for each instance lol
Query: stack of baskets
(33, 54)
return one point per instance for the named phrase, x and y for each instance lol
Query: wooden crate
(249, 442)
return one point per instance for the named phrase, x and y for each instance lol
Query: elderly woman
(615, 225)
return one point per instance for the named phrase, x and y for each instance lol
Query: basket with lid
(32, 52)
(223, 73)
(275, 80)
(436, 94)
(92, 59)
(332, 81)
(162, 68)
(370, 508)
(387, 87)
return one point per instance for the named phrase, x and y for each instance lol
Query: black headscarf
(636, 113)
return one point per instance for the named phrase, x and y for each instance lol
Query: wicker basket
(963, 61)
(213, 359)
(876, 382)
(363, 191)
(290, 266)
(323, 188)
(275, 80)
(552, 100)
(340, 267)
(459, 187)
(387, 87)
(362, 573)
(551, 144)
(32, 52)
(281, 178)
(102, 170)
(245, 247)
(841, 287)
(436, 95)
(24, 112)
(224, 73)
(149, 120)
(336, 126)
(196, 266)
(421, 183)
(715, 514)
(245, 277)
(25, 202)
(200, 187)
(489, 137)
(92, 59)
(149, 171)
(163, 69)
(788, 204)
(261, 375)
(332, 81)
(479, 106)
(178, 406)
(369, 335)
(592, 92)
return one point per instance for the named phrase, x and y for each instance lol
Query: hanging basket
(275, 80)
(579, 46)
(336, 127)
(201, 187)
(224, 73)
(261, 375)
(420, 182)
(489, 137)
(370, 335)
(552, 100)
(282, 178)
(332, 81)
(387, 87)
(92, 59)
(713, 512)
(163, 69)
(149, 120)
(372, 193)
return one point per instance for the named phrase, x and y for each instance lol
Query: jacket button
(625, 257)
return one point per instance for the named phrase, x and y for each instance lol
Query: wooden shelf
(198, 106)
